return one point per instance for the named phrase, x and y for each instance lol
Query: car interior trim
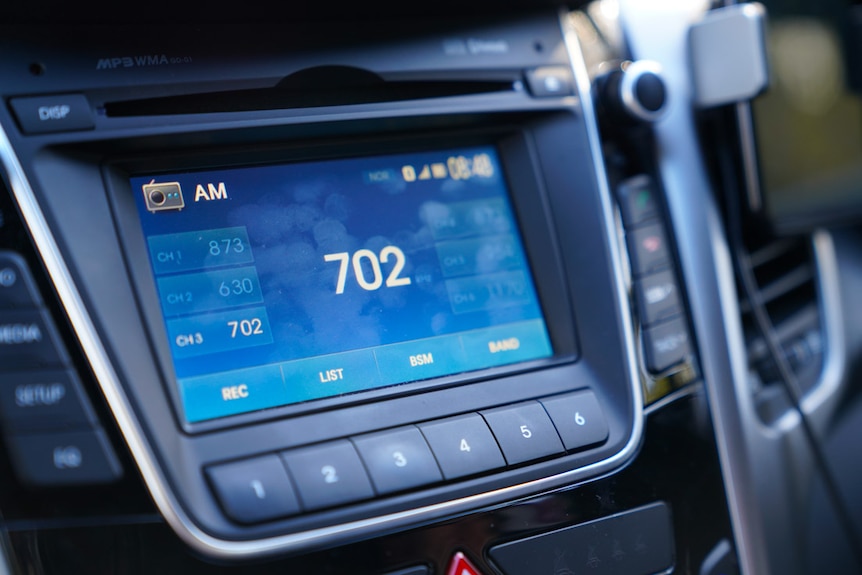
(662, 35)
(145, 458)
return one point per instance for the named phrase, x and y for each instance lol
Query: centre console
(327, 292)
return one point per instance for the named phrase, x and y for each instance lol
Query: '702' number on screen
(375, 282)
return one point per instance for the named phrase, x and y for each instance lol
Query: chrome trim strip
(749, 156)
(674, 396)
(835, 360)
(145, 458)
(659, 31)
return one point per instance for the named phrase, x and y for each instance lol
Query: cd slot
(314, 87)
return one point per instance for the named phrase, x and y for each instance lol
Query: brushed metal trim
(144, 456)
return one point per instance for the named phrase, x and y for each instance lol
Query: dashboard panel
(395, 298)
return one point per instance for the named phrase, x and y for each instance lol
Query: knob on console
(634, 92)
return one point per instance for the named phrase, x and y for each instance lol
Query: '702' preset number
(375, 282)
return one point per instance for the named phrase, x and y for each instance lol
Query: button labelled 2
(327, 475)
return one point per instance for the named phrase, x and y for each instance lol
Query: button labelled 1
(579, 419)
(398, 459)
(524, 431)
(463, 445)
(254, 490)
(327, 475)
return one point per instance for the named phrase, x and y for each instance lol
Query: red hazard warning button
(460, 565)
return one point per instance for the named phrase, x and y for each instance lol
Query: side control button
(463, 446)
(254, 490)
(16, 285)
(67, 458)
(45, 114)
(524, 431)
(648, 249)
(579, 419)
(328, 475)
(637, 200)
(551, 82)
(42, 401)
(666, 345)
(657, 297)
(398, 459)
(28, 340)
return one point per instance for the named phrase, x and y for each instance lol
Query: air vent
(785, 273)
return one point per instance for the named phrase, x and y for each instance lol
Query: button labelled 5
(524, 431)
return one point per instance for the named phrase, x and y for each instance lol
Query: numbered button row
(348, 471)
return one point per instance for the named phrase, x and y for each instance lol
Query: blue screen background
(295, 214)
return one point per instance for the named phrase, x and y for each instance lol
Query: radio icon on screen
(164, 196)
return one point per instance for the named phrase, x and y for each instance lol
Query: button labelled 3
(398, 459)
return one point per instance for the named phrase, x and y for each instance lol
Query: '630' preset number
(375, 282)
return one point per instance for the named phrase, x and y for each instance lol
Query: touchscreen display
(288, 283)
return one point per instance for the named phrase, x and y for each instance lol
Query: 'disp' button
(45, 114)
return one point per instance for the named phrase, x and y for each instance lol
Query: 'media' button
(28, 341)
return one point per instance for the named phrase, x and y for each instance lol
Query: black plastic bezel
(523, 185)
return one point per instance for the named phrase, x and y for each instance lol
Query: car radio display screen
(287, 283)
